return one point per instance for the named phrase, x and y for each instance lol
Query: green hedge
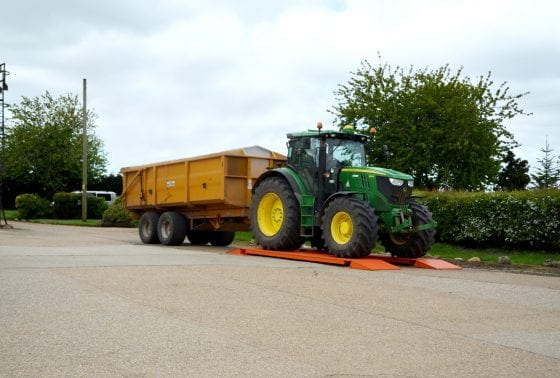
(68, 206)
(96, 206)
(31, 206)
(527, 219)
(65, 205)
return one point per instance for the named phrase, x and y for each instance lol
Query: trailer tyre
(198, 237)
(147, 227)
(349, 227)
(275, 215)
(412, 245)
(171, 228)
(221, 238)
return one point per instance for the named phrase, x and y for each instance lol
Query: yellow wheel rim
(270, 214)
(341, 227)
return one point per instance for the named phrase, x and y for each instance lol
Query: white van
(109, 197)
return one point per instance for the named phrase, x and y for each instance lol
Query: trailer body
(212, 192)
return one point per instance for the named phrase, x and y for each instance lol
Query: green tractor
(328, 196)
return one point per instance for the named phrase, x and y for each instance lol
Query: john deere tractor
(327, 195)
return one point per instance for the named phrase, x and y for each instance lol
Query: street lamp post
(3, 88)
(84, 155)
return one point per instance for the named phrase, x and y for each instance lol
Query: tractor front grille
(398, 195)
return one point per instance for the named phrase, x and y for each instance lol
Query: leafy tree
(515, 173)
(441, 127)
(548, 175)
(44, 146)
(111, 182)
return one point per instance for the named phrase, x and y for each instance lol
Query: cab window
(348, 153)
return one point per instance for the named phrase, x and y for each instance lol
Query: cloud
(181, 78)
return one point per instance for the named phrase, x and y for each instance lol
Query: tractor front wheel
(415, 244)
(349, 227)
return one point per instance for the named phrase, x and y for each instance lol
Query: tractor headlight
(396, 182)
(411, 183)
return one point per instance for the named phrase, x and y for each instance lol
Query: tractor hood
(377, 171)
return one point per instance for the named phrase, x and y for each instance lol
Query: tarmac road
(95, 302)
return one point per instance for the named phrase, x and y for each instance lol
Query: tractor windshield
(348, 153)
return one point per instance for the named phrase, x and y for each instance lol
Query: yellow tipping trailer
(206, 198)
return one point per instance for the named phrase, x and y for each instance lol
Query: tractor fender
(337, 195)
(289, 175)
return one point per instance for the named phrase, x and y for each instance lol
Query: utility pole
(84, 157)
(3, 88)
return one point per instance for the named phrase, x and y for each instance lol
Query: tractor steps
(372, 262)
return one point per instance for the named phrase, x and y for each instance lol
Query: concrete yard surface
(77, 301)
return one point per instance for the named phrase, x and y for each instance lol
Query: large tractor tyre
(415, 244)
(349, 227)
(221, 238)
(171, 228)
(198, 237)
(147, 227)
(275, 215)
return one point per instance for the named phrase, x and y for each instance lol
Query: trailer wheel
(275, 215)
(412, 245)
(221, 238)
(349, 227)
(171, 228)
(198, 237)
(147, 227)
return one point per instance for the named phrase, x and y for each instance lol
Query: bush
(527, 219)
(96, 206)
(68, 206)
(117, 216)
(31, 206)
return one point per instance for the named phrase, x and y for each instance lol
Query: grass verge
(448, 251)
(491, 255)
(13, 215)
(70, 222)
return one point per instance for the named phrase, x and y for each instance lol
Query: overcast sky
(176, 78)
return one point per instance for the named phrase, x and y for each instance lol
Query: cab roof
(350, 135)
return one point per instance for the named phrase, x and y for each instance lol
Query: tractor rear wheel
(275, 215)
(349, 227)
(171, 228)
(147, 227)
(415, 244)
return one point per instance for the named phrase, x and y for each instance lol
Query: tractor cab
(318, 156)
